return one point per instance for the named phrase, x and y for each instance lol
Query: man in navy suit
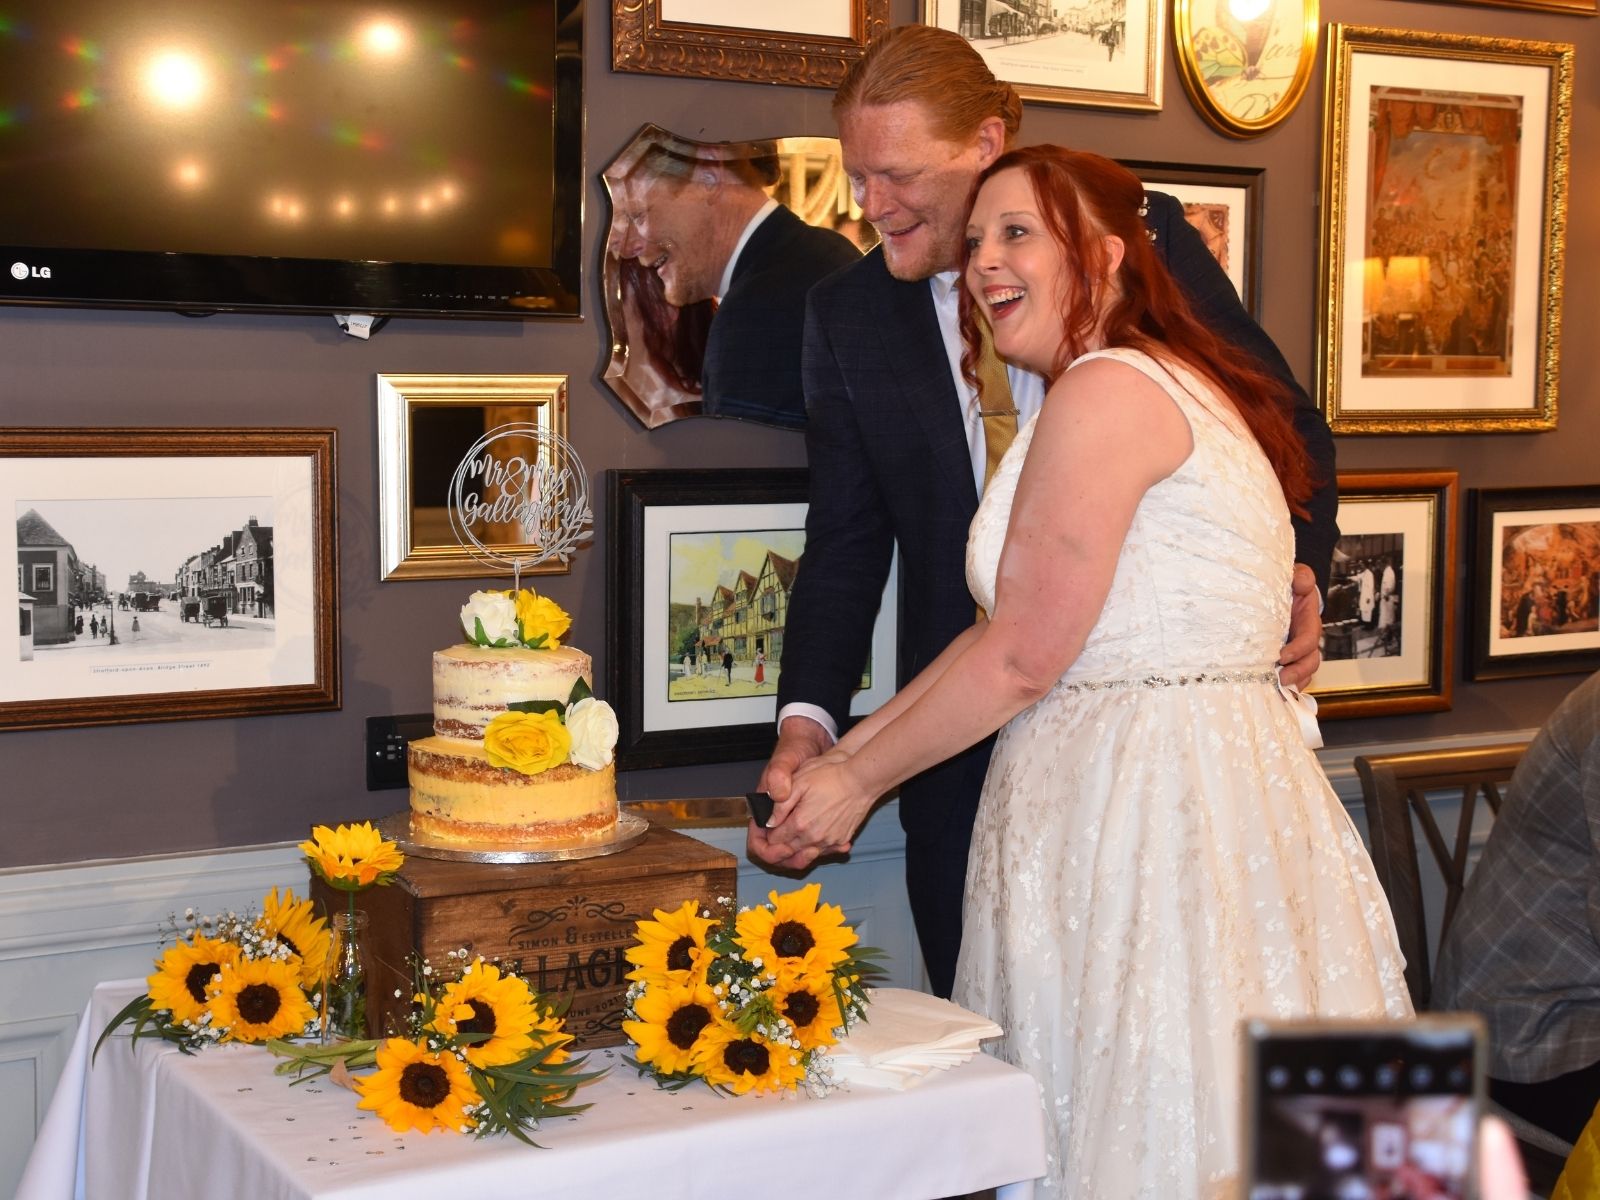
(896, 447)
(700, 217)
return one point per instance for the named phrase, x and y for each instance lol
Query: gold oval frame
(1200, 94)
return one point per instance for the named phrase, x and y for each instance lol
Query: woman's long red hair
(1083, 197)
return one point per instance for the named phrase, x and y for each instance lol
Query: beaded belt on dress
(1161, 681)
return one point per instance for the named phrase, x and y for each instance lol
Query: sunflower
(672, 948)
(551, 1030)
(483, 1001)
(672, 1024)
(183, 973)
(289, 922)
(728, 1058)
(813, 1009)
(795, 938)
(414, 1088)
(352, 857)
(258, 999)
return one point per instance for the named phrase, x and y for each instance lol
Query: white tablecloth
(149, 1122)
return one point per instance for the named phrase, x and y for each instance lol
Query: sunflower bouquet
(484, 1053)
(349, 859)
(248, 977)
(745, 1001)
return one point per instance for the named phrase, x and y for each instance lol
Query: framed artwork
(1245, 73)
(426, 426)
(1577, 8)
(699, 567)
(810, 44)
(1444, 206)
(164, 574)
(1535, 581)
(1225, 206)
(1106, 54)
(1388, 620)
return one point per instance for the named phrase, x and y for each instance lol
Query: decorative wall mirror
(1245, 63)
(426, 425)
(678, 209)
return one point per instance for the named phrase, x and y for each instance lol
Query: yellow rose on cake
(529, 742)
(593, 726)
(539, 617)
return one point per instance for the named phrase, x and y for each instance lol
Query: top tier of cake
(474, 684)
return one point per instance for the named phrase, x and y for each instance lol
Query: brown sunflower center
(199, 975)
(801, 1009)
(424, 1085)
(791, 939)
(481, 1020)
(684, 1026)
(746, 1056)
(259, 1003)
(678, 954)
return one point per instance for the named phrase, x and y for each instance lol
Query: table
(148, 1123)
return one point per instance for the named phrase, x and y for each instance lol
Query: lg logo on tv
(20, 270)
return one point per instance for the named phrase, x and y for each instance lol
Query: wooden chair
(1396, 786)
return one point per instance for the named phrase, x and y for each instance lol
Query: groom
(897, 450)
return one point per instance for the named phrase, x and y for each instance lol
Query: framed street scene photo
(1100, 53)
(1444, 207)
(426, 426)
(1245, 66)
(1225, 206)
(1535, 581)
(1388, 620)
(163, 574)
(756, 41)
(699, 569)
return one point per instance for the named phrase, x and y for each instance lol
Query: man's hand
(800, 739)
(1302, 653)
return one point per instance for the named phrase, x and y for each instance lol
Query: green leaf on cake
(580, 691)
(479, 635)
(539, 706)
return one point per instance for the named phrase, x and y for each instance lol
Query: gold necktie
(995, 408)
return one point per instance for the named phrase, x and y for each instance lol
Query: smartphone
(1363, 1110)
(760, 807)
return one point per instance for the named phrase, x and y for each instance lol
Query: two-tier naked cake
(522, 752)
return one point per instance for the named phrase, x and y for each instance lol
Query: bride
(1157, 854)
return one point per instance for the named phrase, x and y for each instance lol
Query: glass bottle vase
(344, 991)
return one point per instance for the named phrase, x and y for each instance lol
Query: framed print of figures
(1535, 581)
(1096, 53)
(164, 574)
(1225, 206)
(765, 41)
(1388, 620)
(1245, 66)
(699, 567)
(1444, 203)
(426, 426)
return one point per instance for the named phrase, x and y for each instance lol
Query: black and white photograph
(163, 574)
(1388, 619)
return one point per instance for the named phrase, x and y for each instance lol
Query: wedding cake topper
(527, 477)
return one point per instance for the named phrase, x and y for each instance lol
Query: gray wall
(147, 789)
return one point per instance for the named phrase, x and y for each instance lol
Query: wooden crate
(565, 925)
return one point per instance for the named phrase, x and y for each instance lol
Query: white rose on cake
(496, 612)
(593, 727)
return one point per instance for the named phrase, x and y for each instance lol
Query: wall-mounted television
(398, 157)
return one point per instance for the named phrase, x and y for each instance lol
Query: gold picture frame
(1245, 75)
(1444, 206)
(426, 424)
(697, 38)
(1575, 8)
(1090, 56)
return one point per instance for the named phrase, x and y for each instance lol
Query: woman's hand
(824, 809)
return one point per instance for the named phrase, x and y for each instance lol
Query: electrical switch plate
(386, 747)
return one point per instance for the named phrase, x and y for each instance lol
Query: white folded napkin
(907, 1035)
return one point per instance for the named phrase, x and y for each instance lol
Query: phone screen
(1381, 1111)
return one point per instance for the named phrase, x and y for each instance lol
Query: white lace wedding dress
(1157, 853)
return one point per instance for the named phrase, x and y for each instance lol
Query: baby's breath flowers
(747, 1001)
(483, 1053)
(233, 977)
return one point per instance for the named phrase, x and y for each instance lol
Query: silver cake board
(630, 828)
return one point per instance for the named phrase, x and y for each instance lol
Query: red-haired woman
(1157, 853)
